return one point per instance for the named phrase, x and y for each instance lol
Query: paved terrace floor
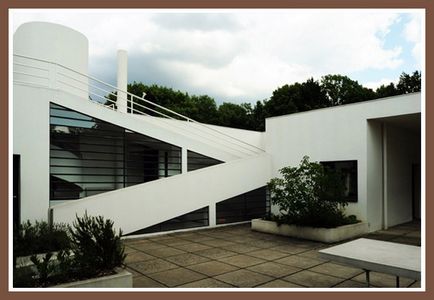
(236, 256)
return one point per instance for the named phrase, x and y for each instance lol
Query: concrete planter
(122, 279)
(325, 235)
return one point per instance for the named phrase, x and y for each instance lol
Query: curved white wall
(53, 42)
(31, 122)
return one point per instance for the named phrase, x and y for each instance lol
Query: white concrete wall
(374, 176)
(403, 150)
(150, 203)
(31, 134)
(338, 133)
(53, 42)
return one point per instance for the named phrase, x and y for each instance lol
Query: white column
(212, 215)
(122, 80)
(385, 195)
(184, 168)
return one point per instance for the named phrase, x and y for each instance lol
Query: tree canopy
(330, 90)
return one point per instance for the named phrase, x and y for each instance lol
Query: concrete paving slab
(215, 253)
(299, 261)
(268, 254)
(137, 256)
(175, 277)
(240, 248)
(174, 242)
(290, 249)
(191, 247)
(351, 284)
(244, 278)
(134, 272)
(146, 245)
(312, 254)
(198, 238)
(312, 279)
(206, 283)
(278, 283)
(146, 282)
(164, 252)
(263, 244)
(129, 249)
(217, 243)
(337, 270)
(186, 259)
(152, 266)
(274, 269)
(232, 241)
(241, 260)
(212, 268)
(415, 284)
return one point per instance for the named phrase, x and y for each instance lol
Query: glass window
(347, 169)
(89, 156)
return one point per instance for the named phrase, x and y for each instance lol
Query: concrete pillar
(385, 187)
(212, 215)
(122, 80)
(184, 168)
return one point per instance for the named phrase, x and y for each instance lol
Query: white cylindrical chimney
(122, 80)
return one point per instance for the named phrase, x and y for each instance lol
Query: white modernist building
(76, 149)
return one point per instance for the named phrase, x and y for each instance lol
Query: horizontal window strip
(198, 218)
(89, 156)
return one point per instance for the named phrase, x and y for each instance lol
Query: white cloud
(238, 55)
(412, 33)
(384, 81)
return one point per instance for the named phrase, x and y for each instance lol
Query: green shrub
(39, 238)
(91, 248)
(96, 247)
(308, 195)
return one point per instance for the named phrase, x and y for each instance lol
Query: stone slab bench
(371, 255)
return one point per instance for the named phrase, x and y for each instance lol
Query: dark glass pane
(197, 218)
(89, 156)
(197, 161)
(347, 169)
(253, 204)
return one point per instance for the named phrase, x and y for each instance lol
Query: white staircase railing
(43, 73)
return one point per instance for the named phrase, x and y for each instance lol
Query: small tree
(309, 195)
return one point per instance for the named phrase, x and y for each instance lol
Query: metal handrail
(120, 93)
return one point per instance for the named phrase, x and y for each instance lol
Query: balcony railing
(39, 72)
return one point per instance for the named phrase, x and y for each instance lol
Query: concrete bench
(372, 255)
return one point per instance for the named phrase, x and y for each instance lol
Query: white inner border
(11, 13)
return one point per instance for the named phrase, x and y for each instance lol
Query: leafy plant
(44, 267)
(95, 249)
(40, 237)
(309, 195)
(96, 246)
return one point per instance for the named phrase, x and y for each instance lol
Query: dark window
(197, 218)
(197, 161)
(347, 170)
(250, 205)
(16, 189)
(89, 156)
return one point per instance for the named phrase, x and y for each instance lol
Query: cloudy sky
(243, 55)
